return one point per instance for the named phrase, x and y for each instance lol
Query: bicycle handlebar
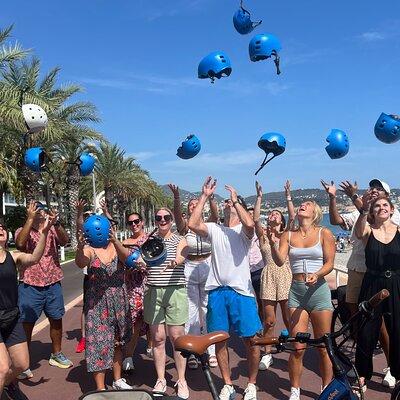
(366, 307)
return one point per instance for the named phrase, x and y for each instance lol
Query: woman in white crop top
(197, 267)
(311, 252)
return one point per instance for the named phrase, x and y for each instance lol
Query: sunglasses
(134, 221)
(167, 218)
(378, 188)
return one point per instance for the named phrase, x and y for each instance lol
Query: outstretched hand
(233, 193)
(330, 189)
(80, 206)
(349, 188)
(32, 209)
(209, 186)
(287, 188)
(367, 199)
(48, 223)
(174, 189)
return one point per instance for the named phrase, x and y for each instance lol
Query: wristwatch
(354, 197)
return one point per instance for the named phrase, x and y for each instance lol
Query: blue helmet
(190, 147)
(263, 46)
(154, 252)
(242, 21)
(86, 164)
(96, 229)
(387, 128)
(338, 144)
(131, 260)
(272, 142)
(215, 65)
(35, 159)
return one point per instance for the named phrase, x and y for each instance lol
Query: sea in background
(336, 230)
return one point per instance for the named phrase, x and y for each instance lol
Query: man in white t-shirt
(356, 262)
(231, 300)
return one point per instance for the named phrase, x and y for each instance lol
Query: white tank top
(197, 245)
(306, 260)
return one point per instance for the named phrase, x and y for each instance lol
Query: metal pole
(94, 192)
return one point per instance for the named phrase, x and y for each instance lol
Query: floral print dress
(107, 317)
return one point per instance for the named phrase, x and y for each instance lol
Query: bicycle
(339, 389)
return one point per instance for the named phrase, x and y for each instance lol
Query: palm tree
(23, 79)
(9, 53)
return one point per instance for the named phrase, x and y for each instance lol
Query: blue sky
(138, 63)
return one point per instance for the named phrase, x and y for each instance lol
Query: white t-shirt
(356, 260)
(229, 259)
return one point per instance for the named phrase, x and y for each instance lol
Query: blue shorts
(33, 300)
(229, 309)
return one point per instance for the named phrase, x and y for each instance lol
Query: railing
(339, 269)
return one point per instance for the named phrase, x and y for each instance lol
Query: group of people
(228, 276)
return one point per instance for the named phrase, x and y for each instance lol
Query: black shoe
(14, 392)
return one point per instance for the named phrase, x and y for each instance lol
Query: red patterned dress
(135, 285)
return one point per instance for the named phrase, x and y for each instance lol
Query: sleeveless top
(8, 283)
(197, 245)
(381, 257)
(306, 260)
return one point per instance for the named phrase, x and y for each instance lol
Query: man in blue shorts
(231, 298)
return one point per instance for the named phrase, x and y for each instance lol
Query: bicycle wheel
(396, 393)
(345, 342)
(352, 374)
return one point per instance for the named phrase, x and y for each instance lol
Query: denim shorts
(310, 297)
(227, 309)
(33, 300)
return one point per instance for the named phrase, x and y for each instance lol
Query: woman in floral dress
(135, 284)
(108, 323)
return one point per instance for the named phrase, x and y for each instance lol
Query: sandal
(212, 361)
(192, 362)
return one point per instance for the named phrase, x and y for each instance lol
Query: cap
(383, 184)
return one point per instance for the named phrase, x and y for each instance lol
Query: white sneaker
(250, 392)
(121, 384)
(294, 393)
(27, 374)
(227, 393)
(128, 364)
(265, 362)
(389, 380)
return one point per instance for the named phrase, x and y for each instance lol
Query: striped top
(171, 276)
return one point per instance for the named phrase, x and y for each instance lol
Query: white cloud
(372, 36)
(144, 155)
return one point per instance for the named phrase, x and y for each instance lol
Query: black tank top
(381, 257)
(8, 283)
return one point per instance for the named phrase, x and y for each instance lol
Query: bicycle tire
(336, 325)
(396, 393)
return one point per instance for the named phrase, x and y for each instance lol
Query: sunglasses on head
(134, 221)
(167, 218)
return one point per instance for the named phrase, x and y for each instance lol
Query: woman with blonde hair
(311, 252)
(166, 302)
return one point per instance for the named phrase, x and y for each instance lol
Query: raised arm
(26, 259)
(181, 224)
(351, 190)
(256, 215)
(61, 233)
(104, 209)
(23, 236)
(334, 216)
(279, 247)
(290, 206)
(361, 228)
(122, 252)
(83, 252)
(196, 223)
(244, 216)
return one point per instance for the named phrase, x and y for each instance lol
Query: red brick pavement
(53, 383)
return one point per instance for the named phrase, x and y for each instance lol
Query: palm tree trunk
(73, 179)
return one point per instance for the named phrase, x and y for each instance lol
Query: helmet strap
(276, 61)
(265, 162)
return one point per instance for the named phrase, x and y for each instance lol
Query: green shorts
(166, 304)
(310, 298)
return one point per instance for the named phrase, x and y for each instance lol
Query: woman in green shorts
(311, 251)
(166, 303)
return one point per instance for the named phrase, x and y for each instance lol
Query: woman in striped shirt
(166, 303)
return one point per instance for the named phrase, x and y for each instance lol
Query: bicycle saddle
(198, 345)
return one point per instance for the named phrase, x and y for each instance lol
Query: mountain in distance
(278, 199)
